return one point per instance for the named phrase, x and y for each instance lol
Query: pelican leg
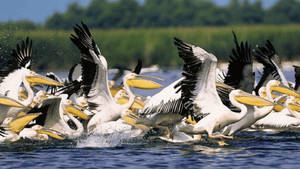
(220, 136)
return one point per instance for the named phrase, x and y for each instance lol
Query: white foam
(110, 134)
(111, 140)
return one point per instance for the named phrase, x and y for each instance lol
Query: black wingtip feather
(297, 77)
(267, 56)
(191, 68)
(84, 39)
(21, 56)
(239, 60)
(138, 67)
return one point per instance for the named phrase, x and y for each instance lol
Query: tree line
(105, 14)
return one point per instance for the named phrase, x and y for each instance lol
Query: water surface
(246, 150)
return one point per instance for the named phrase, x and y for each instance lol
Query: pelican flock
(205, 102)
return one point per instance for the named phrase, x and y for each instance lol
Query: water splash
(107, 140)
(110, 134)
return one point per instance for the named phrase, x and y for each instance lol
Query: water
(246, 150)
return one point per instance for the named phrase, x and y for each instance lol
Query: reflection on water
(208, 150)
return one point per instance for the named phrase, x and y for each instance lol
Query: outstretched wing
(267, 56)
(21, 57)
(94, 67)
(84, 41)
(166, 101)
(240, 74)
(22, 54)
(193, 61)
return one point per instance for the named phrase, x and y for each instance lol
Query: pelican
(19, 73)
(241, 76)
(283, 119)
(279, 121)
(200, 95)
(164, 110)
(120, 110)
(169, 100)
(293, 107)
(14, 125)
(95, 80)
(57, 111)
(6, 101)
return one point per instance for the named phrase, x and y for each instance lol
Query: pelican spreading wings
(200, 95)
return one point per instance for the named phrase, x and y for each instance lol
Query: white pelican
(54, 110)
(282, 120)
(38, 132)
(293, 107)
(18, 74)
(241, 76)
(95, 80)
(200, 95)
(13, 125)
(7, 101)
(277, 122)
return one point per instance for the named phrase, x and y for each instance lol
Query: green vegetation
(107, 14)
(54, 50)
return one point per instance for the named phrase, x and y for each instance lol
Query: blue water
(246, 150)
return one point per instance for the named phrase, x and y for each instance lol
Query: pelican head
(18, 124)
(132, 80)
(123, 98)
(293, 105)
(45, 133)
(10, 102)
(68, 107)
(34, 78)
(249, 99)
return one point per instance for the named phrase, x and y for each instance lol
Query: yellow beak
(10, 102)
(19, 123)
(114, 90)
(253, 100)
(76, 112)
(23, 95)
(130, 118)
(39, 79)
(137, 104)
(264, 95)
(143, 84)
(285, 90)
(294, 107)
(50, 133)
(278, 108)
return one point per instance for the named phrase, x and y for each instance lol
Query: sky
(38, 10)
